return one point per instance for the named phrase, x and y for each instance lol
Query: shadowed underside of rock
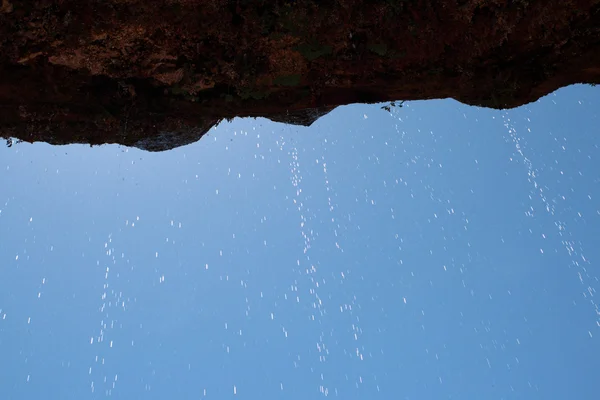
(158, 74)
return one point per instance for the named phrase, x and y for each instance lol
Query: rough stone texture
(158, 74)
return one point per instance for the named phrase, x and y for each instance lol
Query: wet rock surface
(159, 74)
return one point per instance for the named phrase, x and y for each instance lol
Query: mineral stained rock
(158, 74)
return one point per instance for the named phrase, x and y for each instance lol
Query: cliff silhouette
(159, 74)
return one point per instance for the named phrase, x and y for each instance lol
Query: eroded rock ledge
(158, 74)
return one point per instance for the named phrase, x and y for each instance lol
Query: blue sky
(438, 252)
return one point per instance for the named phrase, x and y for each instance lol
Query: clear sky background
(436, 252)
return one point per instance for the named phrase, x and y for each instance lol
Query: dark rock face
(158, 74)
